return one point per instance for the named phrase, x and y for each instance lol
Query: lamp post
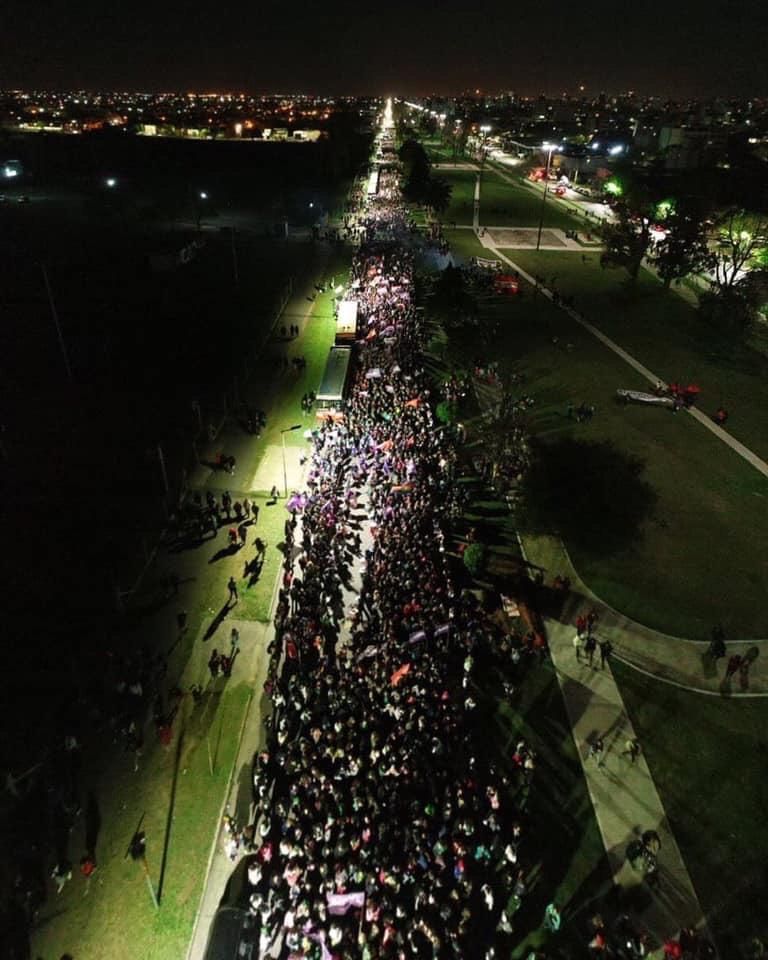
(296, 426)
(55, 316)
(549, 147)
(202, 196)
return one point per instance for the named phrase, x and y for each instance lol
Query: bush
(474, 559)
(446, 411)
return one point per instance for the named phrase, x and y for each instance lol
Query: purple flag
(340, 903)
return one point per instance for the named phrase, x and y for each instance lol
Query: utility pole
(161, 461)
(235, 271)
(549, 147)
(55, 315)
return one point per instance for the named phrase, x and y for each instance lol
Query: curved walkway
(681, 662)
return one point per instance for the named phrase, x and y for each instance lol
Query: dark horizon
(703, 50)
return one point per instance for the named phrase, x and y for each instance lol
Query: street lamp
(203, 195)
(296, 426)
(549, 147)
(111, 182)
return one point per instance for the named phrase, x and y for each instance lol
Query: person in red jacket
(672, 950)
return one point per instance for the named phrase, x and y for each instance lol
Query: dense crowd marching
(382, 831)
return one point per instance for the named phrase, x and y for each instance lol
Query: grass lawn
(708, 757)
(439, 152)
(667, 335)
(465, 245)
(702, 554)
(505, 204)
(461, 207)
(136, 929)
(286, 411)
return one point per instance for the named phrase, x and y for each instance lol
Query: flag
(340, 903)
(325, 953)
(398, 675)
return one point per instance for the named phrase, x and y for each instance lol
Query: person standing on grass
(62, 872)
(581, 624)
(232, 586)
(551, 918)
(214, 663)
(247, 508)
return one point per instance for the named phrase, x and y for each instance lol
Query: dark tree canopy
(591, 494)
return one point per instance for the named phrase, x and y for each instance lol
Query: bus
(332, 393)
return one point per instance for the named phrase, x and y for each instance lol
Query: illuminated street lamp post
(296, 426)
(202, 197)
(549, 147)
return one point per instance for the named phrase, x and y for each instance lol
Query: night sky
(405, 46)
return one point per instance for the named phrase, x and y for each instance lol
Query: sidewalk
(676, 660)
(624, 796)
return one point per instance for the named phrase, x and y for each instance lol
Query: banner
(340, 903)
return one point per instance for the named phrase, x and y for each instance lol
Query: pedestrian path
(682, 662)
(738, 447)
(623, 794)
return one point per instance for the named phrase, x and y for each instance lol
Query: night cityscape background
(384, 463)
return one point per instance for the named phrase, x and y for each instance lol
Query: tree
(685, 248)
(438, 194)
(474, 559)
(627, 238)
(592, 494)
(740, 241)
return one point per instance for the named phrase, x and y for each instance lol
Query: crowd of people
(382, 830)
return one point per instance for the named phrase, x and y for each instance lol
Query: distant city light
(203, 195)
(616, 150)
(111, 182)
(10, 172)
